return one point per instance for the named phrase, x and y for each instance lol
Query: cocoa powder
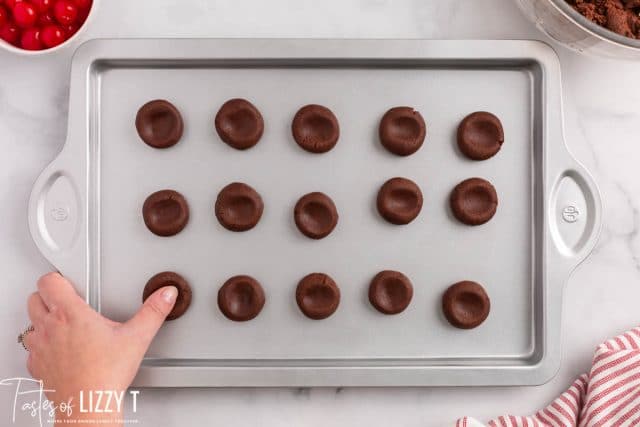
(619, 16)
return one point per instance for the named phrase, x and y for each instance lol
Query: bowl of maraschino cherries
(38, 26)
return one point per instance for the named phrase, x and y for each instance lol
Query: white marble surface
(602, 117)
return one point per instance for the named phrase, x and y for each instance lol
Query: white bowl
(11, 48)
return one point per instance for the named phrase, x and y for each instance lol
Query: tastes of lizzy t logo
(29, 398)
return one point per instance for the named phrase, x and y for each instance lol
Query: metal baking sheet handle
(576, 214)
(55, 219)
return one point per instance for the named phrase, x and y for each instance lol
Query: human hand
(73, 348)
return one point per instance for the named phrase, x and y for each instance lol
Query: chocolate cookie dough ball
(474, 201)
(318, 296)
(239, 124)
(390, 292)
(238, 207)
(480, 135)
(399, 201)
(315, 215)
(169, 278)
(165, 213)
(466, 305)
(159, 124)
(241, 298)
(402, 131)
(315, 128)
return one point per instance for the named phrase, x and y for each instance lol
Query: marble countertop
(601, 100)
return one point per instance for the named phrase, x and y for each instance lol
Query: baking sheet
(522, 256)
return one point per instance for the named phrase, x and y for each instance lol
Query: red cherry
(4, 16)
(46, 19)
(52, 35)
(31, 39)
(83, 4)
(42, 5)
(11, 3)
(24, 15)
(10, 33)
(70, 30)
(65, 12)
(82, 15)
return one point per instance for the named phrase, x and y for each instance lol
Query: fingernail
(170, 294)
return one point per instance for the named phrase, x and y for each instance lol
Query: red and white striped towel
(608, 397)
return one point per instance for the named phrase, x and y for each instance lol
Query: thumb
(148, 320)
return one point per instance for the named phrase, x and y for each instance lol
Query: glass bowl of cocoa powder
(608, 28)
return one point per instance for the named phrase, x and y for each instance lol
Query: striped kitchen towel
(608, 397)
